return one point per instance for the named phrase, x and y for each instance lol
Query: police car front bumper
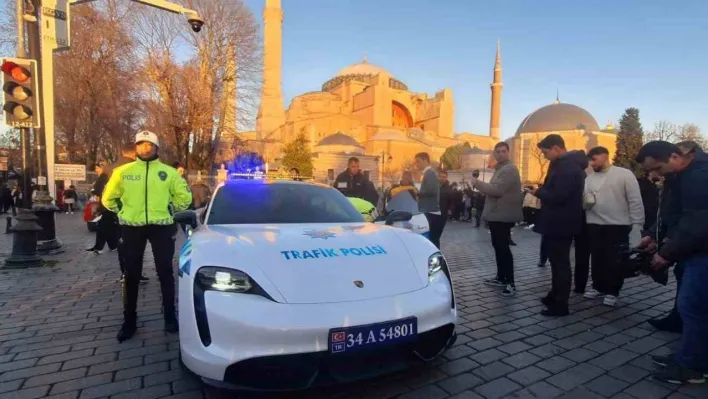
(248, 333)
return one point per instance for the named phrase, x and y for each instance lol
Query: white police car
(283, 285)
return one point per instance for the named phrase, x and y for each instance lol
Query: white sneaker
(610, 300)
(67, 213)
(592, 294)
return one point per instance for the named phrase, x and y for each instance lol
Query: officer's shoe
(171, 324)
(127, 330)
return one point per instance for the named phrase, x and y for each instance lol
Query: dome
(339, 138)
(558, 117)
(362, 68)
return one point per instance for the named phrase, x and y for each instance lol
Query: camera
(195, 21)
(638, 262)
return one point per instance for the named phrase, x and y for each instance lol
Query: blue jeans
(692, 352)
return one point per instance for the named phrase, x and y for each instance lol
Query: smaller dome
(558, 117)
(339, 138)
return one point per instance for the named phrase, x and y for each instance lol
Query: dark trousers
(692, 351)
(543, 251)
(108, 231)
(501, 238)
(162, 240)
(607, 244)
(478, 216)
(122, 250)
(436, 224)
(674, 316)
(559, 254)
(582, 259)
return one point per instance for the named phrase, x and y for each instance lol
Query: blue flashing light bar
(267, 176)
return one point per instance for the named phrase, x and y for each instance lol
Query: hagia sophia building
(366, 112)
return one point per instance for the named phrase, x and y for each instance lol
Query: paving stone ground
(58, 326)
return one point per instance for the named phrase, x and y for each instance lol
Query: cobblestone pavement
(58, 326)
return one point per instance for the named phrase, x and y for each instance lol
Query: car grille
(301, 371)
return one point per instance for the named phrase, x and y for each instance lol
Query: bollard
(24, 243)
(9, 224)
(45, 211)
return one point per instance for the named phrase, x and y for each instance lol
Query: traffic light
(20, 93)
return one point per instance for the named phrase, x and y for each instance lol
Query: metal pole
(26, 179)
(20, 29)
(24, 132)
(33, 34)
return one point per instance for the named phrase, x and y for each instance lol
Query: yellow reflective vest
(141, 192)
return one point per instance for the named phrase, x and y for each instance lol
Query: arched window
(400, 117)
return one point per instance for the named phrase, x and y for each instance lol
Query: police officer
(145, 189)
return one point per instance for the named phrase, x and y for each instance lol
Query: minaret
(271, 114)
(496, 87)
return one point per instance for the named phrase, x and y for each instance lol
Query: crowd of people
(586, 202)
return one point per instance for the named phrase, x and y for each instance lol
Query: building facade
(365, 111)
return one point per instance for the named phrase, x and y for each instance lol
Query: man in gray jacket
(429, 197)
(502, 209)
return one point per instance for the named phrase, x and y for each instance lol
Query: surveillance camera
(195, 21)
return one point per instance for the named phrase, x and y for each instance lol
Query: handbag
(590, 198)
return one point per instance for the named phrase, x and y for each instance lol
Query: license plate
(349, 339)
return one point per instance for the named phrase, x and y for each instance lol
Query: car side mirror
(398, 216)
(186, 218)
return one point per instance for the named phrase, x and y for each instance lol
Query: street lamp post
(383, 166)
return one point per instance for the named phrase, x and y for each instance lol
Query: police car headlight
(436, 262)
(222, 279)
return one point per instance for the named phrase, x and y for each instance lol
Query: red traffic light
(17, 72)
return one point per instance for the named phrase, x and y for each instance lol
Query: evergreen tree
(630, 139)
(296, 154)
(452, 157)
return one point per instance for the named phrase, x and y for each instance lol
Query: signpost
(70, 172)
(56, 30)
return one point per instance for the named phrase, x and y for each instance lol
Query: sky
(602, 55)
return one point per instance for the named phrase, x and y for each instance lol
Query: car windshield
(258, 202)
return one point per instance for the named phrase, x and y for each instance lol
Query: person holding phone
(502, 211)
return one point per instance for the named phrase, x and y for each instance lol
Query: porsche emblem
(359, 283)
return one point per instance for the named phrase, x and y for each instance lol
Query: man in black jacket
(685, 244)
(353, 183)
(561, 217)
(668, 219)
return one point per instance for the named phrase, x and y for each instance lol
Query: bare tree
(537, 157)
(97, 91)
(8, 28)
(692, 132)
(663, 130)
(195, 100)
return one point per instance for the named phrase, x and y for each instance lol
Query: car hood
(321, 263)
